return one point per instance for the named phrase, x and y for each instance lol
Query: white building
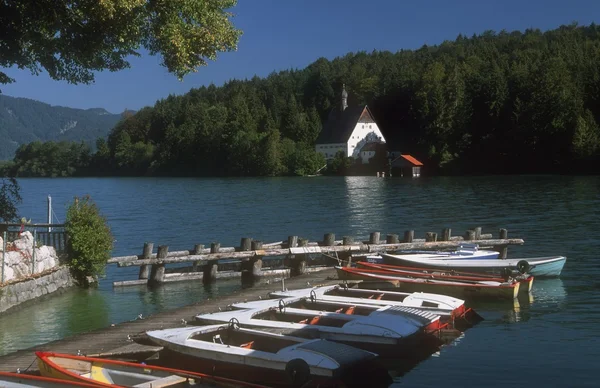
(348, 129)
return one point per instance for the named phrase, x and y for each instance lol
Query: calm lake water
(551, 339)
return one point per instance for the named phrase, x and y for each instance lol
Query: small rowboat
(21, 380)
(110, 373)
(464, 290)
(464, 251)
(444, 274)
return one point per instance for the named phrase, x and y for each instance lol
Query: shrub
(89, 240)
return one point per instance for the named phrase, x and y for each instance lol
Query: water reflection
(366, 204)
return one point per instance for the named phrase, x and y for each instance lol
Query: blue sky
(283, 34)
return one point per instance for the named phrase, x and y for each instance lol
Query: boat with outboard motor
(395, 330)
(526, 280)
(334, 297)
(464, 251)
(550, 266)
(265, 357)
(464, 289)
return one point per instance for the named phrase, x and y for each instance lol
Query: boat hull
(21, 380)
(540, 267)
(176, 356)
(467, 292)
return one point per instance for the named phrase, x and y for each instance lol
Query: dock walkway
(114, 339)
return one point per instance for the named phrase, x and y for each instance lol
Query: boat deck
(113, 341)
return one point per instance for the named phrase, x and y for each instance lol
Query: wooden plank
(168, 381)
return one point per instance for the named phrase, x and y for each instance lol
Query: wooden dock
(254, 259)
(114, 341)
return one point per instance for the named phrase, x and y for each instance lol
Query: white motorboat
(264, 357)
(464, 251)
(396, 328)
(536, 266)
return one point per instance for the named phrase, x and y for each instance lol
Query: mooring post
(503, 250)
(245, 244)
(209, 270)
(446, 234)
(409, 236)
(430, 237)
(329, 239)
(257, 260)
(292, 241)
(157, 273)
(146, 255)
(251, 267)
(198, 249)
(470, 235)
(3, 254)
(298, 262)
(392, 239)
(478, 233)
(346, 256)
(374, 238)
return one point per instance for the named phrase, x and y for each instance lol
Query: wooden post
(409, 235)
(392, 239)
(446, 234)
(209, 270)
(478, 233)
(252, 267)
(157, 274)
(347, 240)
(298, 262)
(374, 238)
(503, 250)
(245, 244)
(146, 254)
(292, 241)
(470, 235)
(430, 237)
(329, 239)
(198, 248)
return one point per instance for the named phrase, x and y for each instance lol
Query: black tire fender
(523, 266)
(298, 371)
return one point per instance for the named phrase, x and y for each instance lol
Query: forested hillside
(506, 102)
(23, 121)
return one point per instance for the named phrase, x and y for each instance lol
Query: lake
(551, 339)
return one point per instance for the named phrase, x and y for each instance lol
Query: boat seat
(315, 320)
(168, 381)
(247, 345)
(379, 296)
(350, 310)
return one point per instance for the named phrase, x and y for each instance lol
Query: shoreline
(111, 338)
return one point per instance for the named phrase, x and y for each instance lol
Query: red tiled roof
(412, 160)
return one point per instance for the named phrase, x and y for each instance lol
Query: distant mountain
(23, 120)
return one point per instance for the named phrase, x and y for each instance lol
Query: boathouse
(405, 165)
(348, 129)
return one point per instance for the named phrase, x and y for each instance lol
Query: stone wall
(28, 289)
(19, 258)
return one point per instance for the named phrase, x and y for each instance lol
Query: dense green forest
(507, 102)
(23, 121)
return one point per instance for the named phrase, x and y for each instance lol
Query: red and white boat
(460, 289)
(445, 274)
